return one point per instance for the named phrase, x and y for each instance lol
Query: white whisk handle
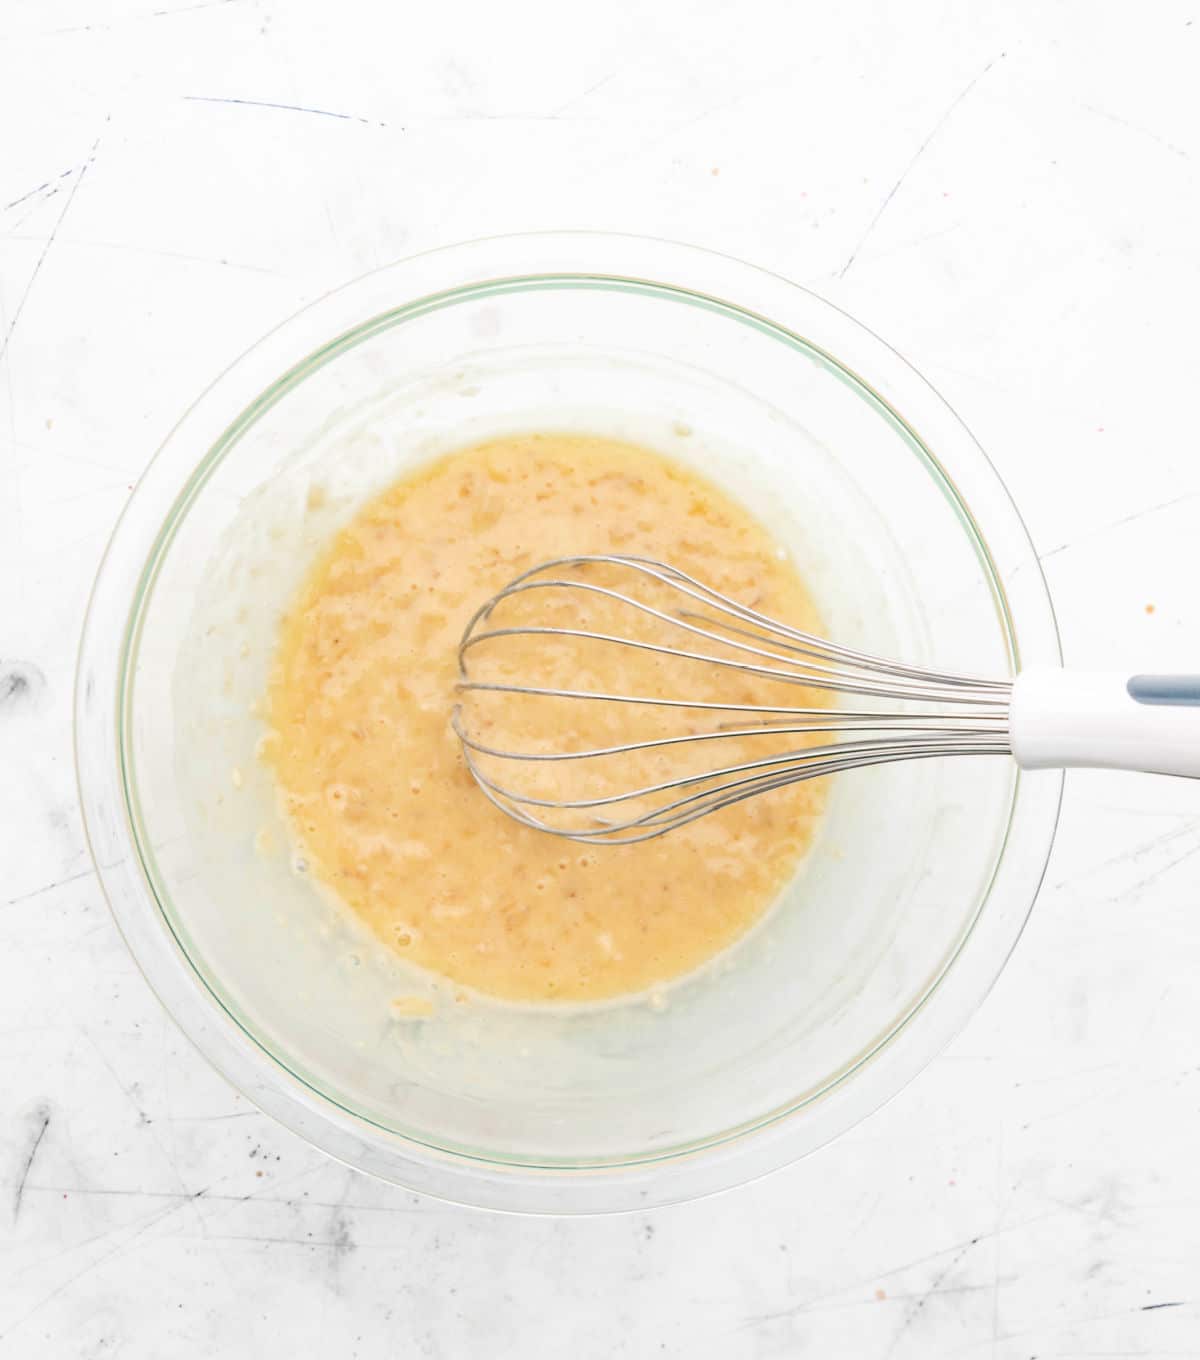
(1059, 719)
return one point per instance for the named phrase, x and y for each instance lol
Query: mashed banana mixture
(372, 777)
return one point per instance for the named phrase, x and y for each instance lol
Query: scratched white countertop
(1007, 193)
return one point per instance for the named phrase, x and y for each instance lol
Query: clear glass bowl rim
(175, 473)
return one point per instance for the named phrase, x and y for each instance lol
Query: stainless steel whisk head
(554, 645)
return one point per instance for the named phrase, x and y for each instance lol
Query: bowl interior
(903, 913)
(884, 901)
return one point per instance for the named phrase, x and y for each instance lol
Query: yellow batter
(374, 781)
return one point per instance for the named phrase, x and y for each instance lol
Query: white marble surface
(1009, 194)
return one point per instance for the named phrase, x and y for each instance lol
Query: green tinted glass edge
(342, 344)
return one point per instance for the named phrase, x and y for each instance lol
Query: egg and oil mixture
(372, 776)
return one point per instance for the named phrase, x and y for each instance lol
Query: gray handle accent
(1165, 689)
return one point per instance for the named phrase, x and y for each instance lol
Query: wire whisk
(653, 754)
(531, 647)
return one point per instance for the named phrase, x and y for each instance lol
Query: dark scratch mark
(961, 1247)
(1155, 874)
(216, 1118)
(1126, 811)
(42, 1113)
(177, 1197)
(131, 1098)
(131, 19)
(1150, 1307)
(1053, 552)
(307, 1243)
(48, 887)
(1141, 131)
(1058, 1331)
(1117, 523)
(186, 9)
(917, 241)
(822, 1306)
(915, 1311)
(41, 260)
(1189, 826)
(16, 203)
(908, 169)
(33, 208)
(289, 108)
(151, 1221)
(77, 243)
(81, 1244)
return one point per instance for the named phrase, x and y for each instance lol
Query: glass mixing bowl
(905, 909)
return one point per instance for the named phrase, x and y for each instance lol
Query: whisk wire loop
(963, 714)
